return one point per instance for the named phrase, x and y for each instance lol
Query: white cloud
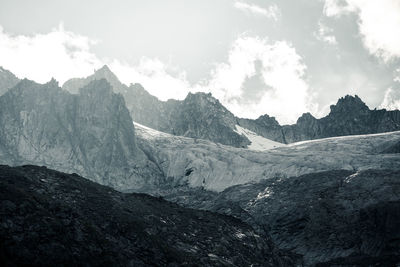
(336, 8)
(272, 12)
(63, 54)
(155, 77)
(284, 93)
(378, 21)
(325, 34)
(391, 100)
(59, 54)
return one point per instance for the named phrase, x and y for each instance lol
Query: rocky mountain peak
(204, 100)
(52, 83)
(306, 117)
(267, 120)
(90, 133)
(73, 85)
(106, 73)
(349, 103)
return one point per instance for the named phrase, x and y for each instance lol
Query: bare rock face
(7, 80)
(91, 133)
(334, 218)
(48, 218)
(350, 116)
(264, 126)
(202, 116)
(198, 116)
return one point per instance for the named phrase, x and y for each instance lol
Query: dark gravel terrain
(48, 218)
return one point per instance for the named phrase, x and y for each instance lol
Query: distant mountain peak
(306, 117)
(52, 82)
(349, 104)
(203, 97)
(106, 73)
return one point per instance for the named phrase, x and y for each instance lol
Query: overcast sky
(281, 57)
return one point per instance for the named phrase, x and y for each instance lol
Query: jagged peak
(106, 73)
(306, 117)
(349, 103)
(266, 119)
(203, 98)
(136, 85)
(52, 83)
(201, 95)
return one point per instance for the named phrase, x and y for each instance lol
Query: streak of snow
(351, 177)
(258, 143)
(338, 138)
(239, 235)
(149, 133)
(265, 194)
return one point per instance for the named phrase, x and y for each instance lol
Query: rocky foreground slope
(48, 218)
(334, 218)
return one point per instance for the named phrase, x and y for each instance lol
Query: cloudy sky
(279, 57)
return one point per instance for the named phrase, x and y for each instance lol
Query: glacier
(200, 163)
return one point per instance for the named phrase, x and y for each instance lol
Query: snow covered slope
(201, 163)
(258, 143)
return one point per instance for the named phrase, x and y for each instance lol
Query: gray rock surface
(7, 80)
(198, 116)
(350, 116)
(91, 133)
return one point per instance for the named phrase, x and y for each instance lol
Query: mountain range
(238, 192)
(200, 115)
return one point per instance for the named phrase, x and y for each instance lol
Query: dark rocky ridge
(50, 218)
(7, 80)
(350, 116)
(91, 133)
(334, 218)
(202, 116)
(198, 115)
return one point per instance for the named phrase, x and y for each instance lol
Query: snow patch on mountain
(340, 138)
(149, 133)
(258, 143)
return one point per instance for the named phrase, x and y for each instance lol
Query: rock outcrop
(350, 116)
(198, 116)
(90, 133)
